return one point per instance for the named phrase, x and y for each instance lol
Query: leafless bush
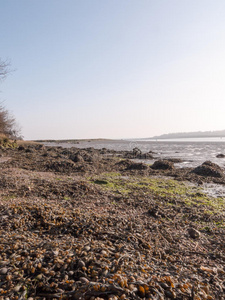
(8, 125)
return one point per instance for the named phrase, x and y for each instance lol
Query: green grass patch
(170, 191)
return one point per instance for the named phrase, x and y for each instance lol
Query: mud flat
(94, 224)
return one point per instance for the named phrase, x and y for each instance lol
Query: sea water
(192, 152)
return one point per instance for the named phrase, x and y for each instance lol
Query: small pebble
(194, 233)
(84, 280)
(17, 288)
(104, 253)
(3, 271)
(81, 263)
(3, 263)
(170, 294)
(87, 248)
(71, 273)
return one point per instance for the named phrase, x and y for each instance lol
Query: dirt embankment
(92, 224)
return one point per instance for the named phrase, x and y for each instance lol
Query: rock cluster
(209, 169)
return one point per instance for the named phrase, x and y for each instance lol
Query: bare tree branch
(4, 69)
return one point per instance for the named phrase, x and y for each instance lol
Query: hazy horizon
(113, 69)
(172, 135)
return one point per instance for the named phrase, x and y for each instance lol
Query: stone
(137, 166)
(3, 271)
(195, 234)
(162, 165)
(209, 169)
(220, 155)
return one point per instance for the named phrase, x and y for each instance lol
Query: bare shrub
(8, 125)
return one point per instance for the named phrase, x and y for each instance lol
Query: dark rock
(45, 154)
(175, 160)
(76, 158)
(170, 294)
(209, 169)
(136, 152)
(39, 147)
(195, 234)
(162, 165)
(21, 148)
(137, 166)
(153, 212)
(103, 151)
(101, 181)
(90, 157)
(220, 155)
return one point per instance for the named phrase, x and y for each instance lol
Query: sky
(113, 69)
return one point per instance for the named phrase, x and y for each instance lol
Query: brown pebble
(39, 277)
(8, 277)
(141, 291)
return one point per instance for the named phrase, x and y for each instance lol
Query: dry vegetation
(8, 126)
(89, 224)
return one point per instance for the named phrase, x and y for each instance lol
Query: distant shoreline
(104, 142)
(186, 137)
(197, 134)
(170, 136)
(72, 141)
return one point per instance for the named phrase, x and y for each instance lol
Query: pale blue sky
(114, 68)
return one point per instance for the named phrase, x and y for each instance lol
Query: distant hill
(197, 134)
